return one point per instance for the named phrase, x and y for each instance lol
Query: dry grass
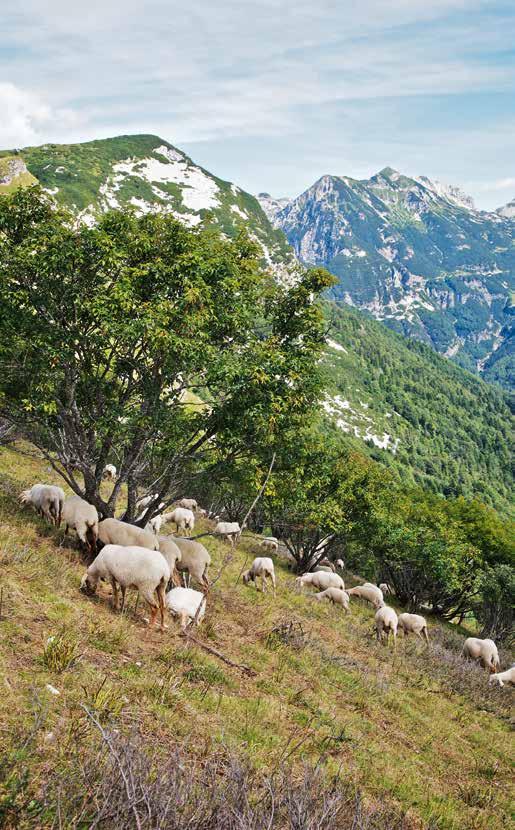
(416, 731)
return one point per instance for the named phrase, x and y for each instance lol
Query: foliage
(454, 432)
(495, 609)
(106, 332)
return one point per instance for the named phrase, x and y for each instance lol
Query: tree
(146, 343)
(495, 608)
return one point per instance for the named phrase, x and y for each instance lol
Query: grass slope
(454, 430)
(419, 731)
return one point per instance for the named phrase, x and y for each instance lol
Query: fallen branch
(245, 669)
(261, 491)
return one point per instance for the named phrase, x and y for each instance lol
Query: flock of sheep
(142, 559)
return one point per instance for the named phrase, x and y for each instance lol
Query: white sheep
(83, 518)
(172, 553)
(386, 589)
(503, 677)
(109, 472)
(264, 567)
(183, 518)
(195, 559)
(130, 567)
(335, 595)
(414, 624)
(369, 593)
(145, 500)
(228, 531)
(47, 500)
(184, 603)
(202, 513)
(484, 651)
(386, 622)
(189, 504)
(269, 543)
(340, 564)
(115, 532)
(320, 580)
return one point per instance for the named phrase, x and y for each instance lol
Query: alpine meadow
(257, 544)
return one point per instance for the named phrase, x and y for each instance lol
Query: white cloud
(498, 184)
(26, 117)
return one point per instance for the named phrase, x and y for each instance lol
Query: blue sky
(270, 94)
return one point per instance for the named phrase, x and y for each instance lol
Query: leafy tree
(495, 609)
(146, 343)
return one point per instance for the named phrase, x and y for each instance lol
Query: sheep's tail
(160, 591)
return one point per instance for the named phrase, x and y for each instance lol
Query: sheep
(115, 532)
(269, 543)
(184, 603)
(202, 513)
(323, 568)
(503, 677)
(414, 624)
(485, 651)
(171, 552)
(83, 518)
(195, 559)
(189, 504)
(109, 472)
(335, 595)
(144, 501)
(320, 580)
(386, 589)
(264, 567)
(340, 564)
(386, 622)
(228, 530)
(48, 501)
(130, 567)
(183, 519)
(370, 593)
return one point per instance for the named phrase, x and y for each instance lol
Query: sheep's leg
(183, 619)
(123, 589)
(273, 582)
(160, 591)
(114, 586)
(263, 583)
(426, 635)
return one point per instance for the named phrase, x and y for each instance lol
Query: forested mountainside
(436, 424)
(143, 171)
(415, 254)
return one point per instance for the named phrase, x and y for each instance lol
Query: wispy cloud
(251, 71)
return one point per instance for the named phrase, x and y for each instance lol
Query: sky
(272, 95)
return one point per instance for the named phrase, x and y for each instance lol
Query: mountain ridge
(417, 255)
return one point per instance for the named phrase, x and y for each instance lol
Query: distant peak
(389, 173)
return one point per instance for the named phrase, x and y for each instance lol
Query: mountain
(439, 426)
(508, 211)
(417, 255)
(143, 171)
(270, 205)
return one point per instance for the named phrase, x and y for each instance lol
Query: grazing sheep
(83, 518)
(47, 500)
(369, 593)
(183, 518)
(115, 532)
(320, 580)
(485, 651)
(386, 589)
(189, 504)
(269, 543)
(130, 567)
(340, 564)
(195, 559)
(262, 566)
(503, 677)
(110, 472)
(171, 552)
(414, 624)
(184, 602)
(336, 596)
(228, 531)
(386, 622)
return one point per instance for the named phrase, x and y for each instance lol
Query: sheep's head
(88, 585)
(246, 577)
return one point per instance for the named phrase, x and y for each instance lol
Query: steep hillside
(148, 173)
(414, 738)
(508, 211)
(415, 254)
(440, 426)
